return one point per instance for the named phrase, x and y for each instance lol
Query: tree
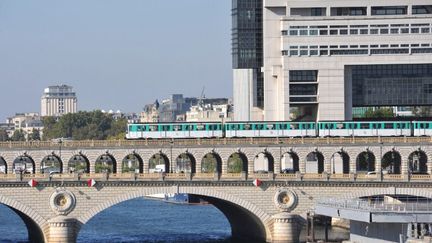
(35, 135)
(3, 135)
(18, 135)
(379, 113)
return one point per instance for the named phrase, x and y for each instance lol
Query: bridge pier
(286, 228)
(62, 230)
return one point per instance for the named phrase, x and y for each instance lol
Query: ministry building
(320, 60)
(58, 100)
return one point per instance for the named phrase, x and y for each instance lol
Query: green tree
(18, 135)
(379, 113)
(35, 135)
(3, 135)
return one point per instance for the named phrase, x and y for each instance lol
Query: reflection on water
(143, 220)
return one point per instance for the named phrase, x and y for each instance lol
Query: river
(142, 220)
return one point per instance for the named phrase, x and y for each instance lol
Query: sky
(117, 55)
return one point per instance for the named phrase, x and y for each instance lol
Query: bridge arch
(290, 162)
(185, 162)
(106, 163)
(391, 162)
(365, 162)
(3, 166)
(246, 220)
(24, 164)
(340, 163)
(211, 163)
(419, 192)
(315, 162)
(263, 162)
(417, 162)
(51, 163)
(132, 163)
(35, 224)
(159, 159)
(79, 163)
(237, 163)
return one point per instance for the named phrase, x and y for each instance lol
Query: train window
(186, 128)
(177, 128)
(200, 127)
(284, 126)
(375, 125)
(270, 126)
(389, 125)
(259, 126)
(294, 126)
(153, 128)
(340, 126)
(364, 126)
(247, 127)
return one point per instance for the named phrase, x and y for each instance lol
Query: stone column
(286, 228)
(62, 230)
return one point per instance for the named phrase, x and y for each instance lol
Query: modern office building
(323, 58)
(58, 100)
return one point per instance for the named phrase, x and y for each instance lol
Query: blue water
(138, 220)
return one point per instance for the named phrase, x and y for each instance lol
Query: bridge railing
(211, 142)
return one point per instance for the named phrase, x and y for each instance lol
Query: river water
(142, 220)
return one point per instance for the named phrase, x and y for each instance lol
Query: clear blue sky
(116, 54)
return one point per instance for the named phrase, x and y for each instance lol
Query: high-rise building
(58, 100)
(247, 56)
(323, 58)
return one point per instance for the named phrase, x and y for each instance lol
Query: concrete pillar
(286, 228)
(62, 230)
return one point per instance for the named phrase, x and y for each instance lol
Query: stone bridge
(289, 175)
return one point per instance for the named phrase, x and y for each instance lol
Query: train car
(174, 130)
(422, 128)
(270, 129)
(364, 129)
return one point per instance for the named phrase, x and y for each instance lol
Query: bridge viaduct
(272, 209)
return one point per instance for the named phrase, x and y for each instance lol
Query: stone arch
(79, 163)
(237, 163)
(106, 163)
(315, 162)
(3, 166)
(246, 219)
(417, 162)
(33, 221)
(211, 163)
(419, 192)
(340, 163)
(391, 162)
(290, 162)
(365, 162)
(185, 162)
(132, 163)
(159, 159)
(263, 162)
(24, 164)
(51, 163)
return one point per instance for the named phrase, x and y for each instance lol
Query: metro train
(279, 129)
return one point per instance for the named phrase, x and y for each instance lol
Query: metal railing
(213, 142)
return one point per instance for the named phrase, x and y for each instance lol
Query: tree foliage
(84, 125)
(379, 113)
(18, 135)
(35, 135)
(3, 135)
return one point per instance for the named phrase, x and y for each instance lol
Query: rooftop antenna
(200, 100)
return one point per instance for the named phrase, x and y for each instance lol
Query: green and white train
(279, 129)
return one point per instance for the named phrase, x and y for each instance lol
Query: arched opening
(417, 161)
(339, 163)
(315, 162)
(15, 224)
(237, 163)
(141, 219)
(79, 164)
(3, 166)
(290, 163)
(159, 163)
(211, 163)
(185, 163)
(391, 163)
(263, 163)
(105, 164)
(51, 164)
(365, 162)
(132, 163)
(23, 164)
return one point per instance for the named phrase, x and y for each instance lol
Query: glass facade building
(247, 41)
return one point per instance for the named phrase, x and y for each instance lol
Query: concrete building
(209, 113)
(323, 58)
(58, 100)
